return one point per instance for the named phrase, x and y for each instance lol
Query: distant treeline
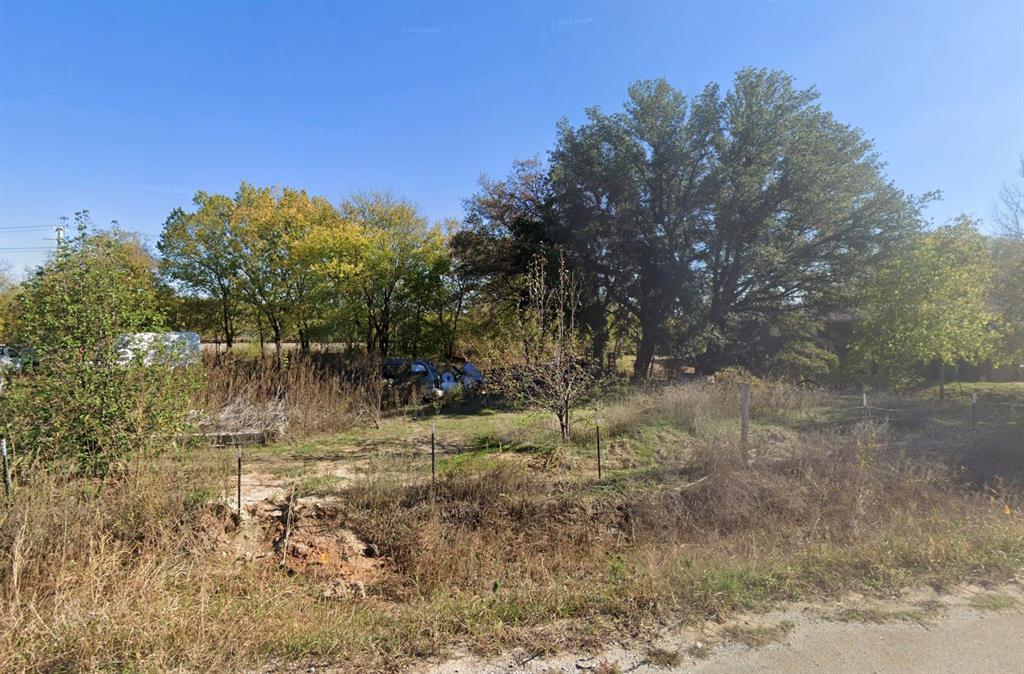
(723, 228)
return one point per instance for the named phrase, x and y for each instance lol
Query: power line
(26, 228)
(26, 249)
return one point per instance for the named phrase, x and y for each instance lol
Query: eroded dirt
(265, 482)
(302, 536)
(312, 543)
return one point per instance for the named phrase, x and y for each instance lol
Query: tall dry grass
(686, 405)
(139, 573)
(76, 553)
(844, 511)
(294, 398)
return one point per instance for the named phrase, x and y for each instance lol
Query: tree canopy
(929, 302)
(726, 227)
(371, 269)
(693, 217)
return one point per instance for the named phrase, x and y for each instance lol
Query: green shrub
(75, 402)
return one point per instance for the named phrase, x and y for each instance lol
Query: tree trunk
(450, 350)
(595, 318)
(229, 332)
(564, 424)
(277, 339)
(384, 335)
(417, 322)
(709, 361)
(599, 346)
(644, 353)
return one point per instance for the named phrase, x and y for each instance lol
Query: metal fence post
(597, 427)
(974, 420)
(433, 449)
(6, 467)
(239, 490)
(745, 423)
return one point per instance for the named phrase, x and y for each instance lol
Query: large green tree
(633, 196)
(508, 223)
(928, 303)
(402, 266)
(196, 253)
(268, 225)
(800, 210)
(699, 216)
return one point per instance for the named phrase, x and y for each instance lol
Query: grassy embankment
(519, 544)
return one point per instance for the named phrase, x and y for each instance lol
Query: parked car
(418, 374)
(12, 358)
(462, 374)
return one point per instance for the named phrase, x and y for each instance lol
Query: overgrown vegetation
(83, 398)
(295, 397)
(726, 233)
(515, 552)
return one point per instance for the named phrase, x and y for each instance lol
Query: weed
(699, 650)
(662, 657)
(318, 485)
(606, 667)
(991, 601)
(757, 636)
(876, 615)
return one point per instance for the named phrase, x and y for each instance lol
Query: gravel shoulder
(977, 630)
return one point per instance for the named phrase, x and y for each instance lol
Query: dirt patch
(309, 540)
(266, 482)
(258, 490)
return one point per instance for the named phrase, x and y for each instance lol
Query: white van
(166, 348)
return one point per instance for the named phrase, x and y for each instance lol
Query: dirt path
(974, 630)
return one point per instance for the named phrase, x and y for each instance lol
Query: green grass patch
(318, 485)
(475, 461)
(922, 615)
(1006, 392)
(990, 601)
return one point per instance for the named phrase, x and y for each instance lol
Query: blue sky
(127, 108)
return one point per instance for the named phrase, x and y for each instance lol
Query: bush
(75, 402)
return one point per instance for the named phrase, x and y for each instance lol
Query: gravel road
(958, 636)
